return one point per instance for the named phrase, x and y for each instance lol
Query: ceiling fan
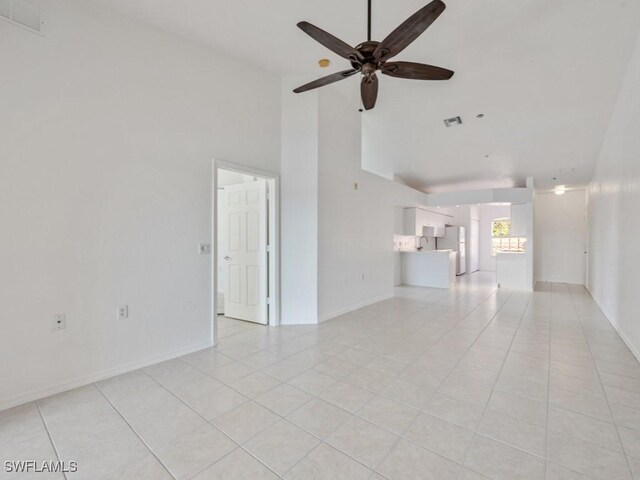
(371, 56)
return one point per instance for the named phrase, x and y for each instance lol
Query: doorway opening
(245, 253)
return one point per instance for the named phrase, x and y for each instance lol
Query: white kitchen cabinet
(437, 221)
(521, 214)
(412, 224)
(415, 219)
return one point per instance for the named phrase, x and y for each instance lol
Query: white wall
(560, 237)
(614, 219)
(355, 227)
(487, 214)
(299, 205)
(107, 132)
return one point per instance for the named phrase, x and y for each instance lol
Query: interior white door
(474, 245)
(245, 251)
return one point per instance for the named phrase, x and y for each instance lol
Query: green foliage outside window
(501, 227)
(501, 240)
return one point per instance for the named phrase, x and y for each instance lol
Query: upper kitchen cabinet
(416, 219)
(520, 219)
(413, 221)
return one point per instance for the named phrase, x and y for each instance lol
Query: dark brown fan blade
(321, 82)
(332, 43)
(416, 71)
(408, 31)
(369, 91)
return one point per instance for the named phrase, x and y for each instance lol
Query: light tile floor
(468, 384)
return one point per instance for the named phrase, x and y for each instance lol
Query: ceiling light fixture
(560, 190)
(324, 62)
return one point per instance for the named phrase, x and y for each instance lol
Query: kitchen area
(435, 246)
(431, 250)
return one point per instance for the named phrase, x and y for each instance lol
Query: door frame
(273, 237)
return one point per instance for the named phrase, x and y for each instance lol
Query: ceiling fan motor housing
(368, 64)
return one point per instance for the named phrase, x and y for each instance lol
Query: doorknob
(227, 257)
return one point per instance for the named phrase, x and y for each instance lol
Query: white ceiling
(545, 73)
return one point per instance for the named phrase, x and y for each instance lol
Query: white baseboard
(306, 321)
(366, 303)
(96, 377)
(616, 327)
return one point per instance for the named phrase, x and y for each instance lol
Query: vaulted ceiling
(544, 73)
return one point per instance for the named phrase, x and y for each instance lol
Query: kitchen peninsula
(429, 268)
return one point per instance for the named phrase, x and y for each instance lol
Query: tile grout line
(486, 406)
(550, 329)
(546, 446)
(553, 294)
(241, 446)
(400, 437)
(419, 410)
(134, 431)
(494, 292)
(281, 418)
(606, 396)
(46, 428)
(562, 408)
(332, 356)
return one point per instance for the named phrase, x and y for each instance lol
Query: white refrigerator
(454, 239)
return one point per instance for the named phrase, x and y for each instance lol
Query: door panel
(235, 240)
(234, 295)
(253, 286)
(253, 231)
(244, 251)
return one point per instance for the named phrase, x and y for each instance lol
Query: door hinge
(268, 248)
(268, 301)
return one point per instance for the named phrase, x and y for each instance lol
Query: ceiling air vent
(22, 13)
(452, 122)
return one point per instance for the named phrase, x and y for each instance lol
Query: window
(501, 241)
(500, 227)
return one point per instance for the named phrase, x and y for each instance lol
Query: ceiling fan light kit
(371, 56)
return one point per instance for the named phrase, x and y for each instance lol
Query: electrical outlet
(59, 322)
(204, 248)
(123, 312)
